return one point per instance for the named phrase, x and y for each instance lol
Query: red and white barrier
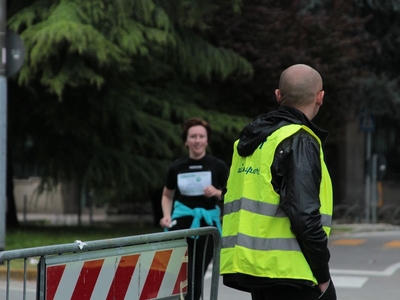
(139, 276)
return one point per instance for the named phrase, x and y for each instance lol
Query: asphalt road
(364, 266)
(15, 291)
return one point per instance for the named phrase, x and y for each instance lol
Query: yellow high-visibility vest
(256, 235)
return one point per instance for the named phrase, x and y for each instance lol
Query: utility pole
(3, 123)
(367, 124)
(368, 180)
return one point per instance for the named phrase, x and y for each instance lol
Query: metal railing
(141, 242)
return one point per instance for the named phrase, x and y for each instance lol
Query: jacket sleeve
(297, 177)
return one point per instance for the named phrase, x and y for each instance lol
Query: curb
(341, 229)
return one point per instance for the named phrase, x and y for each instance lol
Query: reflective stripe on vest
(266, 209)
(253, 249)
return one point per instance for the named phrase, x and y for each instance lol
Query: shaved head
(298, 85)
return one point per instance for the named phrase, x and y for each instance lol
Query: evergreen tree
(106, 85)
(381, 90)
(272, 35)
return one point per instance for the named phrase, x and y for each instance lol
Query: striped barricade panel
(140, 272)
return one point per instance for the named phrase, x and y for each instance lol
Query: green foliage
(272, 35)
(381, 90)
(99, 35)
(37, 236)
(107, 83)
(381, 96)
(384, 24)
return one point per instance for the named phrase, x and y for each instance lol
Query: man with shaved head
(278, 200)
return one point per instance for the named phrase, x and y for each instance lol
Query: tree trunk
(156, 203)
(11, 215)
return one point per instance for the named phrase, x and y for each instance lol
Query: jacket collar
(265, 124)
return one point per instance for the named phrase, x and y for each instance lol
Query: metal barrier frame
(78, 246)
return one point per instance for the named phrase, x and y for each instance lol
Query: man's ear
(320, 97)
(278, 96)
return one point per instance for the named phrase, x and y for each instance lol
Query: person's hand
(323, 286)
(164, 222)
(211, 191)
(328, 291)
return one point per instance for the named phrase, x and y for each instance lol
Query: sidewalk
(339, 229)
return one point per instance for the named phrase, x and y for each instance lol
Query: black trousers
(198, 249)
(287, 292)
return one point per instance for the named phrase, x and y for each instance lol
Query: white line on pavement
(348, 281)
(347, 278)
(389, 271)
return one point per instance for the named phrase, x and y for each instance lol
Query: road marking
(347, 278)
(349, 281)
(357, 278)
(392, 244)
(208, 275)
(349, 242)
(389, 271)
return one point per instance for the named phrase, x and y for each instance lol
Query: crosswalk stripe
(389, 271)
(347, 278)
(392, 244)
(349, 281)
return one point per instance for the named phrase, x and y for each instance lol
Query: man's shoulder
(301, 138)
(305, 135)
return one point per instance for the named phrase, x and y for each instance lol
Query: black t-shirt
(188, 177)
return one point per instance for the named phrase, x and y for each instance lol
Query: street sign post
(367, 124)
(3, 123)
(15, 52)
(12, 55)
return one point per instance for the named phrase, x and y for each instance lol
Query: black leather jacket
(296, 177)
